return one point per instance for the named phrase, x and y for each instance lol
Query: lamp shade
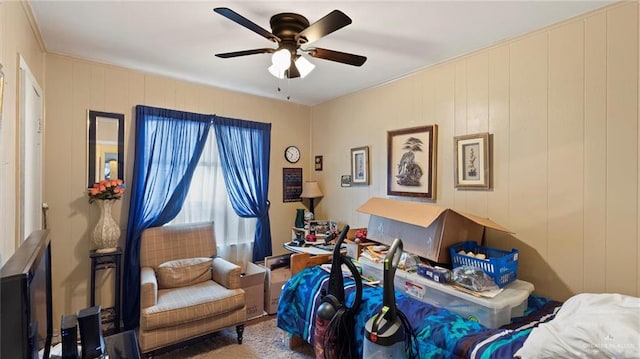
(310, 189)
(304, 66)
(281, 59)
(275, 71)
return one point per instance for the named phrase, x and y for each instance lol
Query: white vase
(107, 231)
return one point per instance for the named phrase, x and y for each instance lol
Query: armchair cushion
(183, 272)
(188, 304)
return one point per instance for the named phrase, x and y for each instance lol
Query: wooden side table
(108, 260)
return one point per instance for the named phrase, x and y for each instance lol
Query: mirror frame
(91, 143)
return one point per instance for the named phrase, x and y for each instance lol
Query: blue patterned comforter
(440, 333)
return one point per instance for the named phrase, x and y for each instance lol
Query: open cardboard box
(426, 230)
(278, 272)
(253, 284)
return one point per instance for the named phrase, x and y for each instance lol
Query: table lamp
(311, 190)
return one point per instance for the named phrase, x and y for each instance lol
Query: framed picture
(345, 180)
(360, 165)
(471, 155)
(291, 184)
(411, 162)
(318, 163)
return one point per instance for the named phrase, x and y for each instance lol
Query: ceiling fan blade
(337, 56)
(241, 20)
(292, 72)
(227, 55)
(333, 21)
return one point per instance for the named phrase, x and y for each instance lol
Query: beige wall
(17, 38)
(73, 86)
(562, 105)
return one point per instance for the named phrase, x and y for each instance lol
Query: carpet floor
(262, 339)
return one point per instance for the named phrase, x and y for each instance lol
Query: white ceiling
(179, 38)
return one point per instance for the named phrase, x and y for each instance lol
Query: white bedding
(589, 326)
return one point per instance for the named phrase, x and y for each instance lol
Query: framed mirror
(105, 146)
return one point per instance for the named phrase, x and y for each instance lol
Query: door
(30, 135)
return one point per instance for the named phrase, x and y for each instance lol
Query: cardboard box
(436, 274)
(426, 230)
(278, 272)
(253, 284)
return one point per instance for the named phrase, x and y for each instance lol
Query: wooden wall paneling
(96, 88)
(415, 92)
(59, 187)
(528, 156)
(135, 96)
(595, 162)
(372, 136)
(187, 97)
(498, 206)
(444, 112)
(566, 156)
(210, 100)
(638, 218)
(478, 119)
(478, 93)
(622, 149)
(115, 91)
(377, 138)
(78, 224)
(460, 121)
(86, 82)
(444, 177)
(398, 102)
(116, 99)
(159, 92)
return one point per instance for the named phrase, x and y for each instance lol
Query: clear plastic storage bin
(490, 312)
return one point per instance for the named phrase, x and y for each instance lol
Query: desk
(100, 261)
(315, 249)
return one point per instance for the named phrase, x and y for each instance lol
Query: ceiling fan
(291, 31)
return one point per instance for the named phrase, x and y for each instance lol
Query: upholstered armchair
(186, 292)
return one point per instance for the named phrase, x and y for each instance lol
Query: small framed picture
(318, 163)
(472, 162)
(360, 165)
(345, 181)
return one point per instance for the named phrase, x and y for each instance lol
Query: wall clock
(292, 154)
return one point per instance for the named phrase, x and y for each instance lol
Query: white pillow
(183, 272)
(591, 326)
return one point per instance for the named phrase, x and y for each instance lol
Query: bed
(594, 326)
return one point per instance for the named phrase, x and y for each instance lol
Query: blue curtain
(244, 148)
(168, 146)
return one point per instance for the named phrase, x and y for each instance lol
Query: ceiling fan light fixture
(276, 72)
(281, 59)
(304, 66)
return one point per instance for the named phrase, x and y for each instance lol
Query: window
(208, 201)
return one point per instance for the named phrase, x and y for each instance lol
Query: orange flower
(106, 190)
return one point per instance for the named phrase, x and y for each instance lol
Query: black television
(26, 326)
